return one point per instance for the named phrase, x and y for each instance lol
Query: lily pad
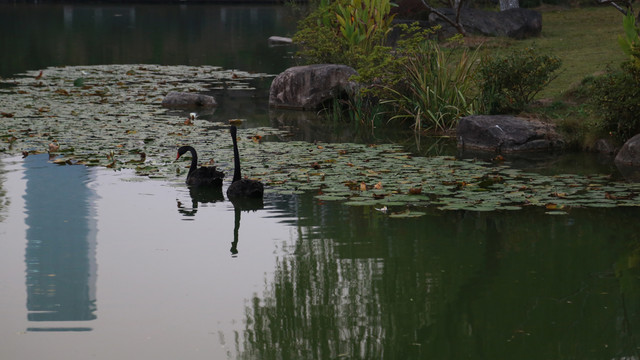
(114, 118)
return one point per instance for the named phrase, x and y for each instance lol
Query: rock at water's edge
(188, 100)
(506, 133)
(309, 87)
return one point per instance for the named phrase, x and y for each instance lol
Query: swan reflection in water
(240, 205)
(202, 195)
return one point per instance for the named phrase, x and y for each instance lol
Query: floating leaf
(117, 112)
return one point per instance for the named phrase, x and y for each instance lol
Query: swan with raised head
(241, 188)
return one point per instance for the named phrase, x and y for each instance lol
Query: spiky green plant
(365, 23)
(438, 88)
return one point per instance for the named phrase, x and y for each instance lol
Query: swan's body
(200, 176)
(241, 188)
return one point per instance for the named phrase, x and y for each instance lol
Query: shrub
(616, 99)
(508, 84)
(318, 39)
(344, 31)
(616, 95)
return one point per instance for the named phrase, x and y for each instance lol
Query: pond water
(104, 264)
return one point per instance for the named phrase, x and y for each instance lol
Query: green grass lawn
(585, 39)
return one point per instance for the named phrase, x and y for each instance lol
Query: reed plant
(438, 89)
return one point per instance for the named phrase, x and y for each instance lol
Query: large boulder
(629, 154)
(188, 100)
(516, 23)
(628, 159)
(309, 87)
(506, 134)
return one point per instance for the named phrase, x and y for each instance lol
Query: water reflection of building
(61, 240)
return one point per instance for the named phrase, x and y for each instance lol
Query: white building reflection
(61, 242)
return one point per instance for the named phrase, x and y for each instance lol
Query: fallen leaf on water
(498, 158)
(619, 197)
(7, 115)
(378, 186)
(39, 76)
(363, 186)
(552, 206)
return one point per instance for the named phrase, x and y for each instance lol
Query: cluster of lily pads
(111, 116)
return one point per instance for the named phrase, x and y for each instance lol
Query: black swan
(203, 176)
(242, 188)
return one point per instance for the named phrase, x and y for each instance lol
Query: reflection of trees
(321, 308)
(60, 35)
(449, 285)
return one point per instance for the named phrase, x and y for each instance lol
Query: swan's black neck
(236, 155)
(194, 160)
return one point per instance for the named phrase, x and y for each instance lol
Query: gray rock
(309, 87)
(506, 134)
(516, 23)
(629, 154)
(188, 100)
(628, 159)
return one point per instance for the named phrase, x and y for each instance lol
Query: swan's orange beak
(178, 157)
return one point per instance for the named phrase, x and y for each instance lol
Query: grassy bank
(585, 39)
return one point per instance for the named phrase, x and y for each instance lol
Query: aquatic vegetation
(114, 119)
